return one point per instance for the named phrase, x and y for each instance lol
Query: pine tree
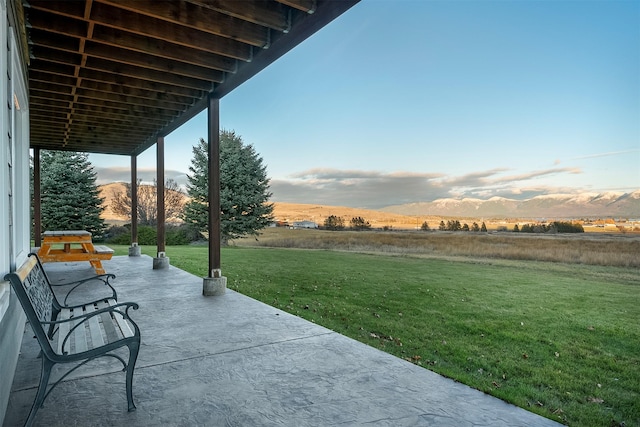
(244, 189)
(70, 196)
(333, 222)
(359, 223)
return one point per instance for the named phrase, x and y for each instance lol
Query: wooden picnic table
(76, 246)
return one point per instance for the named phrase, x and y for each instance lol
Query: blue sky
(408, 101)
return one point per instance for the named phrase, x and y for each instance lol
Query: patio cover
(113, 76)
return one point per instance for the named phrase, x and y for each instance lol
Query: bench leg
(97, 265)
(133, 356)
(42, 390)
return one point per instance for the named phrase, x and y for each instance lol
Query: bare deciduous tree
(174, 200)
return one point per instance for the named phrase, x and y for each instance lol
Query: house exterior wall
(304, 224)
(14, 191)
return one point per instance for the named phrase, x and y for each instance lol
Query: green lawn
(557, 339)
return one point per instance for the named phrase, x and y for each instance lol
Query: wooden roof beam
(307, 6)
(49, 82)
(270, 15)
(58, 24)
(118, 79)
(169, 31)
(163, 49)
(71, 9)
(192, 16)
(166, 76)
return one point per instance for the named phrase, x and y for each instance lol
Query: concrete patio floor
(233, 361)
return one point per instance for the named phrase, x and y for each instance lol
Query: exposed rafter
(110, 76)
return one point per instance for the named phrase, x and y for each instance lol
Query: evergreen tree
(516, 229)
(244, 189)
(334, 223)
(454, 225)
(475, 227)
(442, 227)
(359, 223)
(425, 226)
(483, 227)
(70, 196)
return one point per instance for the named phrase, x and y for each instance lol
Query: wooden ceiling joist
(111, 76)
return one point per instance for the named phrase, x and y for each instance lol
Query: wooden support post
(37, 199)
(215, 283)
(134, 249)
(160, 196)
(134, 199)
(161, 261)
(214, 186)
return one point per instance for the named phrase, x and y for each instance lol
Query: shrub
(181, 235)
(568, 227)
(148, 235)
(118, 234)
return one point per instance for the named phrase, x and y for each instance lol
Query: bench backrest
(35, 295)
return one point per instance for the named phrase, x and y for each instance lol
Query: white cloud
(375, 189)
(607, 154)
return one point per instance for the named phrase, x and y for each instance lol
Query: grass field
(621, 250)
(559, 339)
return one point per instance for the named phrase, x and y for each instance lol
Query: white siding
(21, 193)
(14, 195)
(14, 159)
(4, 185)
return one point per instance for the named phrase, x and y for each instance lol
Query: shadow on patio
(233, 361)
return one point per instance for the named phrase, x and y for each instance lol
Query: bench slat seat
(73, 334)
(99, 249)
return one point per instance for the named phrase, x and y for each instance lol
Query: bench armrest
(104, 278)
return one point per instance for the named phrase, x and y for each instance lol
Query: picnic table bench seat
(103, 250)
(74, 334)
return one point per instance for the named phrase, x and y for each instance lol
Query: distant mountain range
(580, 205)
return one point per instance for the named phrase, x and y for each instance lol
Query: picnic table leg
(97, 265)
(44, 250)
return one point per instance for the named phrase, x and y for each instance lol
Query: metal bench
(75, 334)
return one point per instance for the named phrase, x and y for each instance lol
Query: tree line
(554, 227)
(70, 197)
(454, 225)
(336, 223)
